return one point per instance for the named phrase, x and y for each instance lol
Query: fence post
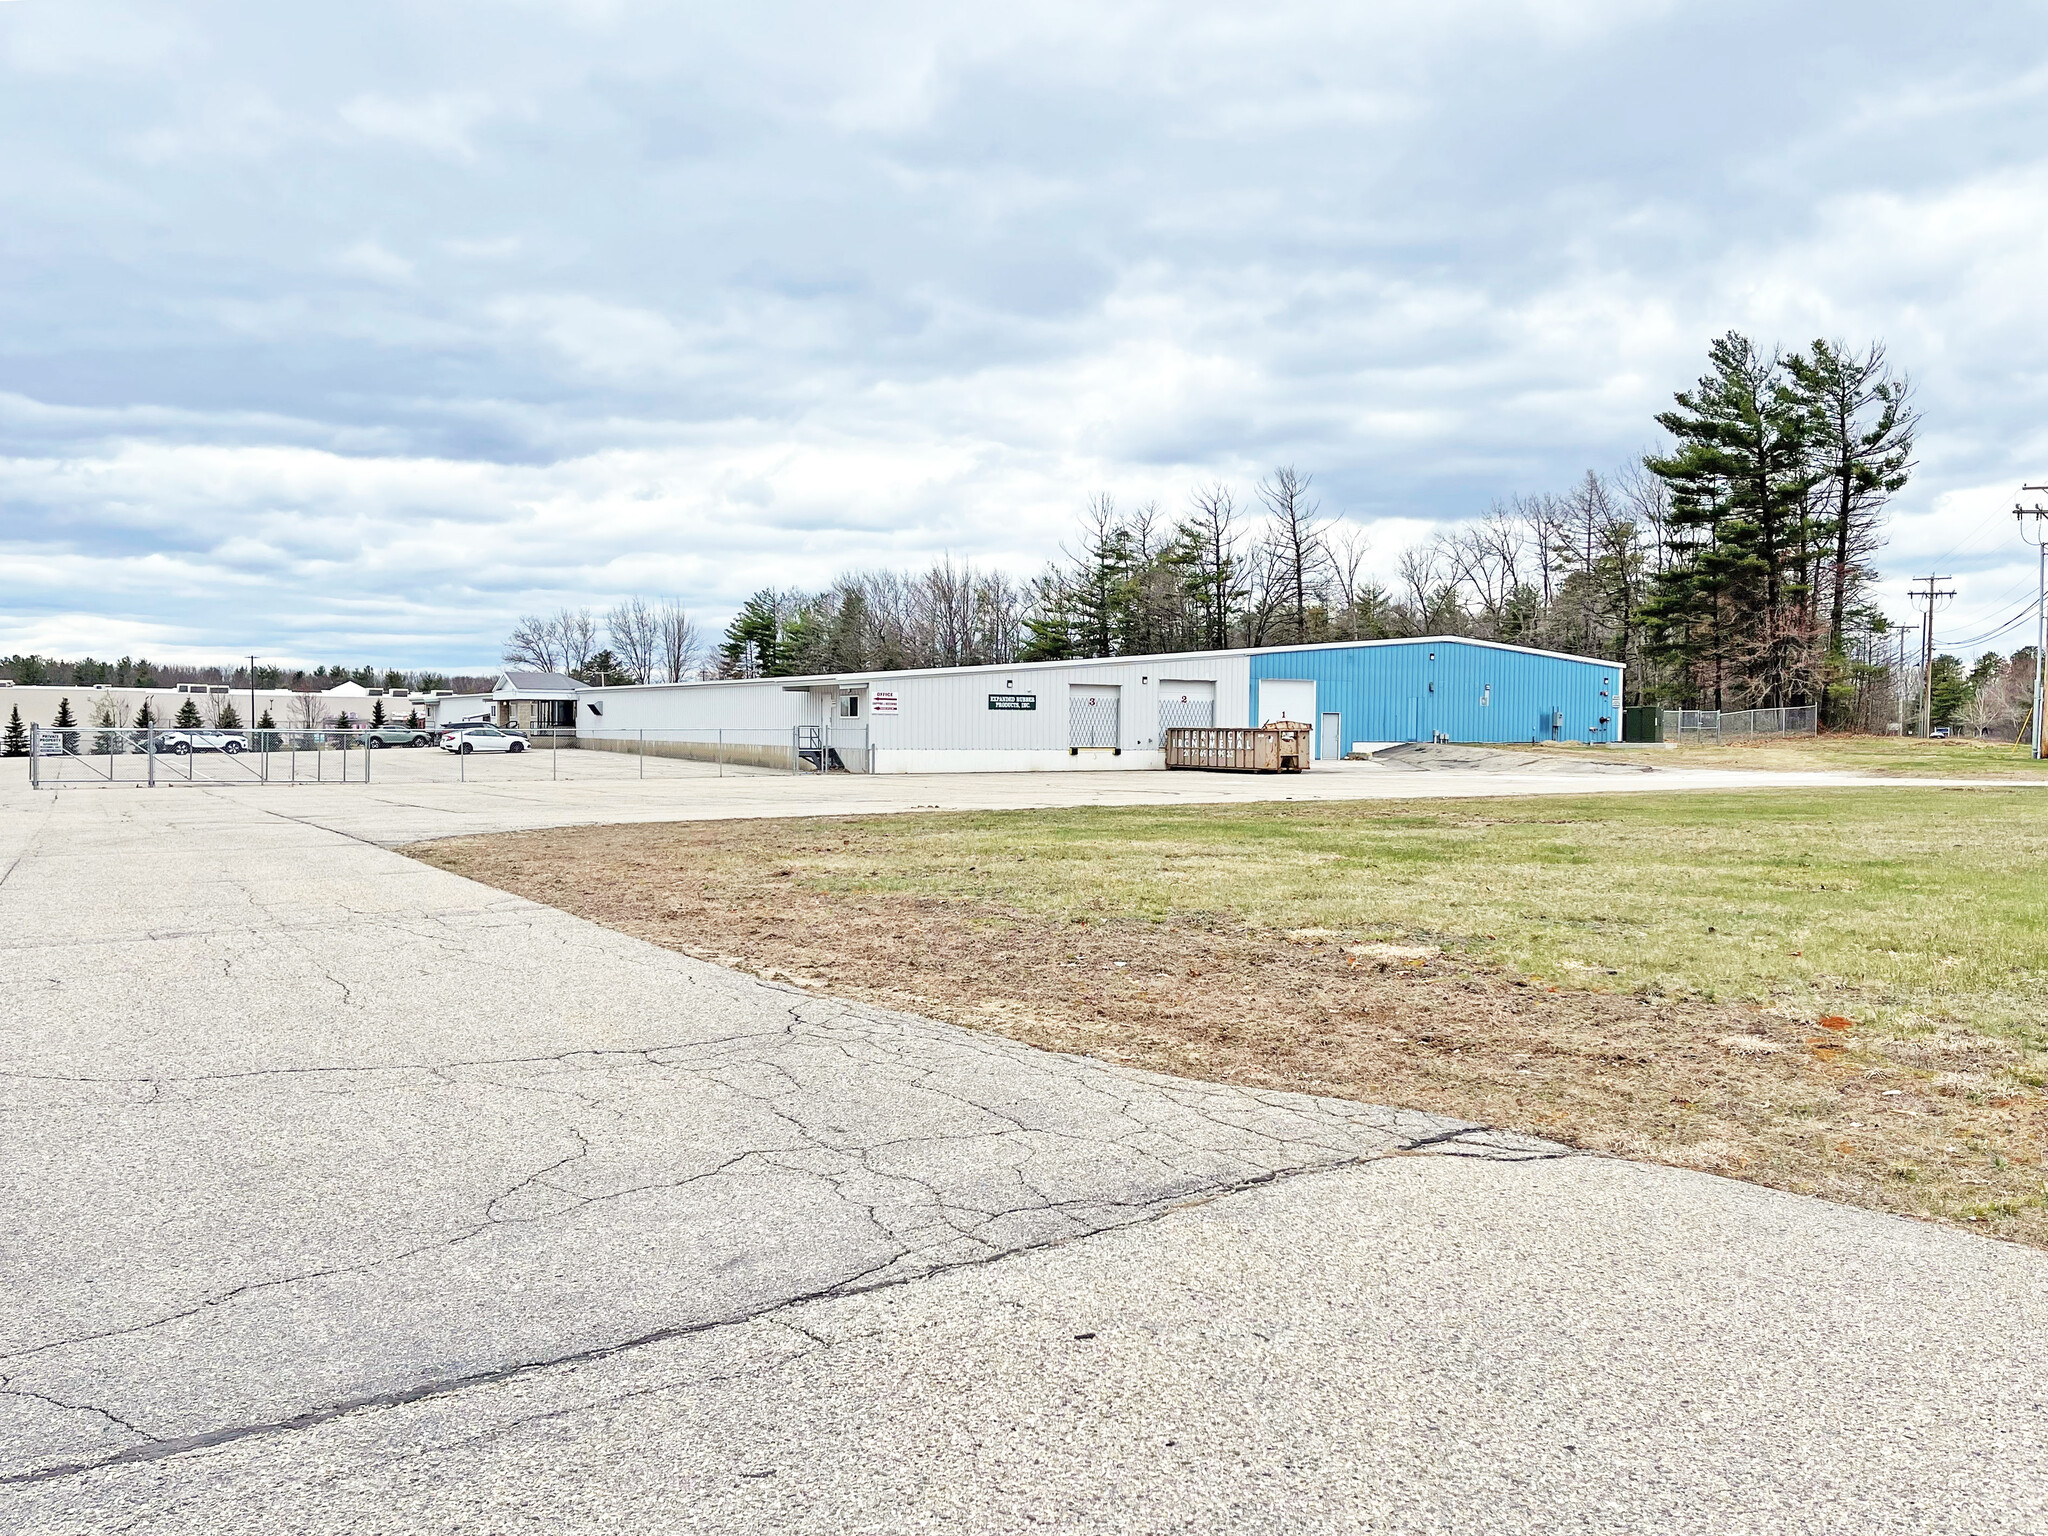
(366, 756)
(554, 755)
(35, 755)
(718, 752)
(149, 747)
(643, 752)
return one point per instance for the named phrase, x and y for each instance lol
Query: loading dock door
(1287, 698)
(1092, 715)
(1184, 702)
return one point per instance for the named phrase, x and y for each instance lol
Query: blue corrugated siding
(1409, 691)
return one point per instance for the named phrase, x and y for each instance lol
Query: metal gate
(1185, 705)
(1092, 716)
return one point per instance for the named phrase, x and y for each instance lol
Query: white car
(481, 738)
(185, 743)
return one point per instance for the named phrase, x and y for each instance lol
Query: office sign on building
(1013, 701)
(882, 702)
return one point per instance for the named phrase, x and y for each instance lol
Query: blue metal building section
(1410, 690)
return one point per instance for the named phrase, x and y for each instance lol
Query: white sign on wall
(882, 702)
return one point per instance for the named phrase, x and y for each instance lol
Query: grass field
(1839, 992)
(1907, 757)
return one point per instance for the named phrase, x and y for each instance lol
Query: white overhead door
(1186, 701)
(1092, 714)
(1287, 698)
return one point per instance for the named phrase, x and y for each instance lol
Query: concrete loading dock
(1057, 715)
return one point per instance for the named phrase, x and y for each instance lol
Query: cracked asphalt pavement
(342, 1194)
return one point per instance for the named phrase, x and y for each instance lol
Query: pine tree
(1049, 624)
(1737, 601)
(377, 714)
(64, 722)
(145, 717)
(17, 735)
(753, 640)
(228, 719)
(188, 716)
(1860, 424)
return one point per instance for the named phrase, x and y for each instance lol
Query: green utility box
(1642, 722)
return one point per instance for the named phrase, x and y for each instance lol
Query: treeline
(1729, 571)
(34, 671)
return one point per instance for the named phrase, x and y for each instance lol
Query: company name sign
(1013, 701)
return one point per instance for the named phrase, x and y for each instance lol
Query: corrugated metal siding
(1481, 693)
(1385, 691)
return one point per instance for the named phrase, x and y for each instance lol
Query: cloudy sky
(355, 331)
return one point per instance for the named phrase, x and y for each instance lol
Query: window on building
(849, 706)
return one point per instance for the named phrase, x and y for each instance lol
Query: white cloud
(444, 123)
(719, 299)
(371, 260)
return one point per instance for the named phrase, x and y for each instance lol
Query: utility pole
(1899, 688)
(2034, 529)
(1932, 594)
(252, 693)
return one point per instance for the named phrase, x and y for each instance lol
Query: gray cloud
(356, 332)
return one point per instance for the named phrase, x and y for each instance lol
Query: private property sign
(1013, 701)
(883, 702)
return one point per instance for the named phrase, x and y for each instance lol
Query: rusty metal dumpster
(1281, 747)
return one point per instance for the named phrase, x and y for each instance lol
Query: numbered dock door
(1092, 715)
(1287, 698)
(1185, 702)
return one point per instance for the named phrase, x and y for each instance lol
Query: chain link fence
(80, 755)
(1719, 725)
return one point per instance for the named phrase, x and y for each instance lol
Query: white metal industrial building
(1113, 714)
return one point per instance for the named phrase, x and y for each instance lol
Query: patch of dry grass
(1841, 995)
(1908, 757)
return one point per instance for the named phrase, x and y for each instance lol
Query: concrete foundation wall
(939, 760)
(738, 754)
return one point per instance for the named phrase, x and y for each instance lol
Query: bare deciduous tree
(576, 632)
(681, 648)
(534, 644)
(1295, 539)
(635, 631)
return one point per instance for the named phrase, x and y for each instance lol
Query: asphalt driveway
(343, 1194)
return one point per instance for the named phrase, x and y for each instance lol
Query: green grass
(1912, 908)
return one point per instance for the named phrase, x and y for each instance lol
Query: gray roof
(543, 682)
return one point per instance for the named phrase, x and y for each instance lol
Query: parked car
(185, 743)
(482, 738)
(1939, 733)
(395, 736)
